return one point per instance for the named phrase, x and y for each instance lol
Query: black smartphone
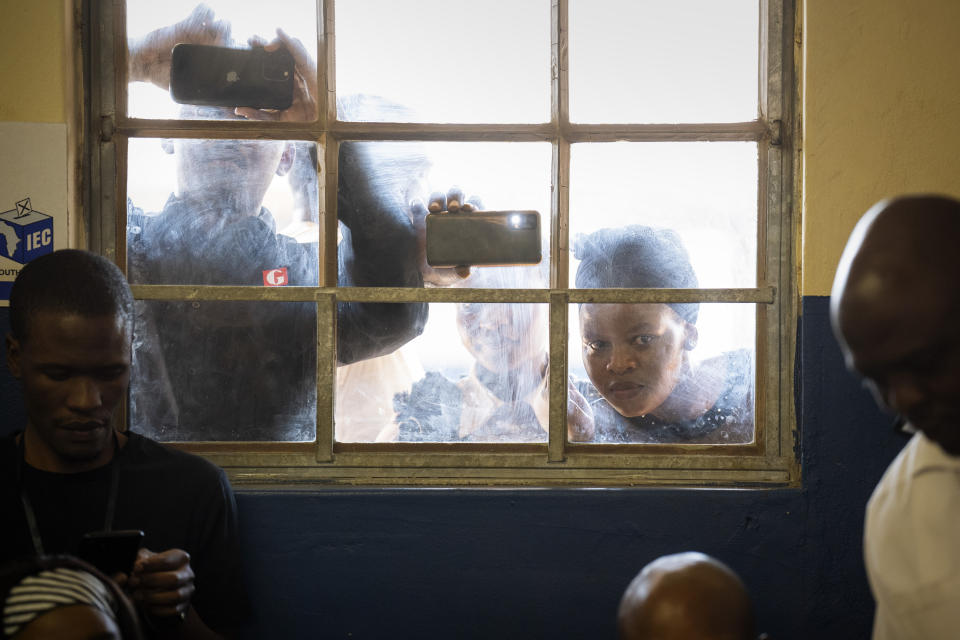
(111, 551)
(479, 238)
(225, 77)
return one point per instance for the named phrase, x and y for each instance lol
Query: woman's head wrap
(636, 257)
(32, 588)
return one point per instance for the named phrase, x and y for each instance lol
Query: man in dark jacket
(241, 370)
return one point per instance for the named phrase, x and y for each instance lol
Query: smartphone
(479, 238)
(225, 77)
(111, 551)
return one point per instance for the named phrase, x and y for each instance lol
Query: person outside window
(643, 387)
(246, 370)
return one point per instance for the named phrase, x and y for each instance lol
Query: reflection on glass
(447, 61)
(652, 61)
(208, 370)
(704, 191)
(380, 227)
(153, 29)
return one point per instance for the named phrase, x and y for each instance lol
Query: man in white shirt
(894, 307)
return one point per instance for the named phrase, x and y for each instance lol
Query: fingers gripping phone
(479, 238)
(111, 551)
(226, 77)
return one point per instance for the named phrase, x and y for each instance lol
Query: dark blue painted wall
(552, 563)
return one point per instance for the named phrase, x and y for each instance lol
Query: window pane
(194, 378)
(210, 370)
(221, 212)
(153, 28)
(695, 199)
(384, 238)
(654, 61)
(657, 373)
(447, 61)
(478, 373)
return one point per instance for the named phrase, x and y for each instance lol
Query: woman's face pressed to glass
(634, 354)
(502, 337)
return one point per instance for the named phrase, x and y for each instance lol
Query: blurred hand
(149, 58)
(305, 91)
(452, 201)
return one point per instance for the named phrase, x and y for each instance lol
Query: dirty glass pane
(654, 61)
(447, 60)
(199, 212)
(212, 370)
(232, 78)
(383, 237)
(657, 373)
(222, 212)
(664, 214)
(478, 373)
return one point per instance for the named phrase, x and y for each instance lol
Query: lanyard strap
(28, 507)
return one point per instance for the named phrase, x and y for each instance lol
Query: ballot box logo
(275, 277)
(25, 234)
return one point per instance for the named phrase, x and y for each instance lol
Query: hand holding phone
(112, 552)
(306, 94)
(163, 582)
(226, 77)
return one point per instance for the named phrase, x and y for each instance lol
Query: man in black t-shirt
(70, 471)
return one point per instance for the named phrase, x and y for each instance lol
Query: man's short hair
(69, 281)
(636, 257)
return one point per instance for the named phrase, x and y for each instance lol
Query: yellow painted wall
(881, 115)
(31, 61)
(881, 104)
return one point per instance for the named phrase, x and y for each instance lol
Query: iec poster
(33, 195)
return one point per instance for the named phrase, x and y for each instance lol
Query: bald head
(894, 309)
(686, 596)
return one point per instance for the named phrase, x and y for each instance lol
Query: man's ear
(167, 145)
(13, 355)
(690, 336)
(286, 160)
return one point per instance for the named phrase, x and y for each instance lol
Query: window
(288, 326)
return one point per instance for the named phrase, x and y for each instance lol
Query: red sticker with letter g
(275, 277)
